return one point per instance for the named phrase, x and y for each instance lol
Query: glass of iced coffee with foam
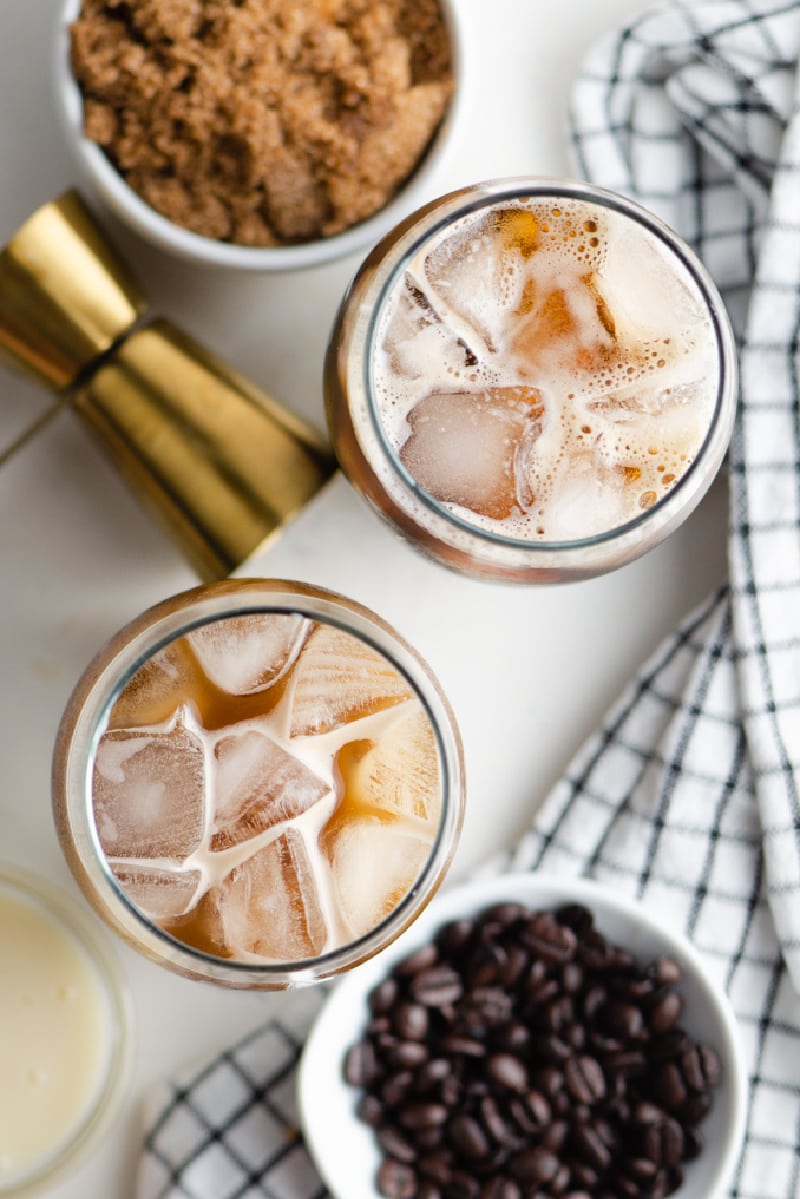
(533, 380)
(258, 783)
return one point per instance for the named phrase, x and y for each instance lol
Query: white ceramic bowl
(345, 1150)
(107, 184)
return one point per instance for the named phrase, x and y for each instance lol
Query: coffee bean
(537, 1165)
(665, 1012)
(500, 1187)
(507, 1072)
(396, 1180)
(584, 1079)
(670, 1088)
(422, 1115)
(435, 986)
(360, 1066)
(395, 1145)
(549, 940)
(467, 1137)
(410, 1021)
(591, 1147)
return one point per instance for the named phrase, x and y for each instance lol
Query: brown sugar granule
(263, 122)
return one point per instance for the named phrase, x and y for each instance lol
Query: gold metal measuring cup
(219, 464)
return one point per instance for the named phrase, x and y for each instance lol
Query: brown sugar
(263, 122)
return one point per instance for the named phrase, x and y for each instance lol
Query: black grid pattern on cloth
(686, 797)
(229, 1129)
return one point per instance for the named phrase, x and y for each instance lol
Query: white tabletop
(529, 670)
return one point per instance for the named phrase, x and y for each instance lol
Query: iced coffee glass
(258, 783)
(532, 380)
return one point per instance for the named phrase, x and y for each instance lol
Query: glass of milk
(64, 1034)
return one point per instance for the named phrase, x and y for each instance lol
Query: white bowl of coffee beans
(527, 1038)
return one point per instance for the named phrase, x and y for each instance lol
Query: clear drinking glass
(532, 380)
(66, 1036)
(258, 783)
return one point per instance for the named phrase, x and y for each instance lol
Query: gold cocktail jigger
(218, 463)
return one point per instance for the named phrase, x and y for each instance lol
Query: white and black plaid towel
(688, 795)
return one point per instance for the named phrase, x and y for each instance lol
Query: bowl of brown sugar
(259, 134)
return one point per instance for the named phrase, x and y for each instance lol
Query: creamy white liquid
(55, 1036)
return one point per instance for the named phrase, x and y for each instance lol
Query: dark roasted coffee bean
(467, 1137)
(583, 1176)
(584, 1079)
(550, 1048)
(383, 997)
(667, 1046)
(395, 1087)
(507, 1072)
(537, 1165)
(436, 986)
(670, 1088)
(712, 1067)
(396, 1180)
(407, 1053)
(360, 1067)
(500, 1187)
(436, 1166)
(370, 1110)
(626, 1062)
(665, 1012)
(461, 1185)
(623, 1020)
(695, 1109)
(591, 1147)
(395, 1145)
(462, 1046)
(514, 967)
(559, 1182)
(432, 1072)
(593, 1000)
(427, 1190)
(498, 1125)
(549, 940)
(663, 1141)
(422, 1115)
(691, 1068)
(453, 936)
(421, 959)
(554, 1136)
(512, 1037)
(576, 916)
(548, 1079)
(410, 1021)
(665, 970)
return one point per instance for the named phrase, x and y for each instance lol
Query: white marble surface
(529, 670)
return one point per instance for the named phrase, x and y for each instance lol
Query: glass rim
(132, 647)
(68, 915)
(423, 227)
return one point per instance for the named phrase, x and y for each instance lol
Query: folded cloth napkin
(687, 797)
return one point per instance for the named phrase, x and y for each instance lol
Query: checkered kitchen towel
(687, 797)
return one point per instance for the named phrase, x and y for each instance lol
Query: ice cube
(246, 654)
(268, 906)
(160, 894)
(563, 327)
(256, 785)
(156, 690)
(374, 864)
(149, 792)
(464, 447)
(338, 679)
(399, 771)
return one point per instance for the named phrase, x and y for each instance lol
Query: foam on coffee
(546, 369)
